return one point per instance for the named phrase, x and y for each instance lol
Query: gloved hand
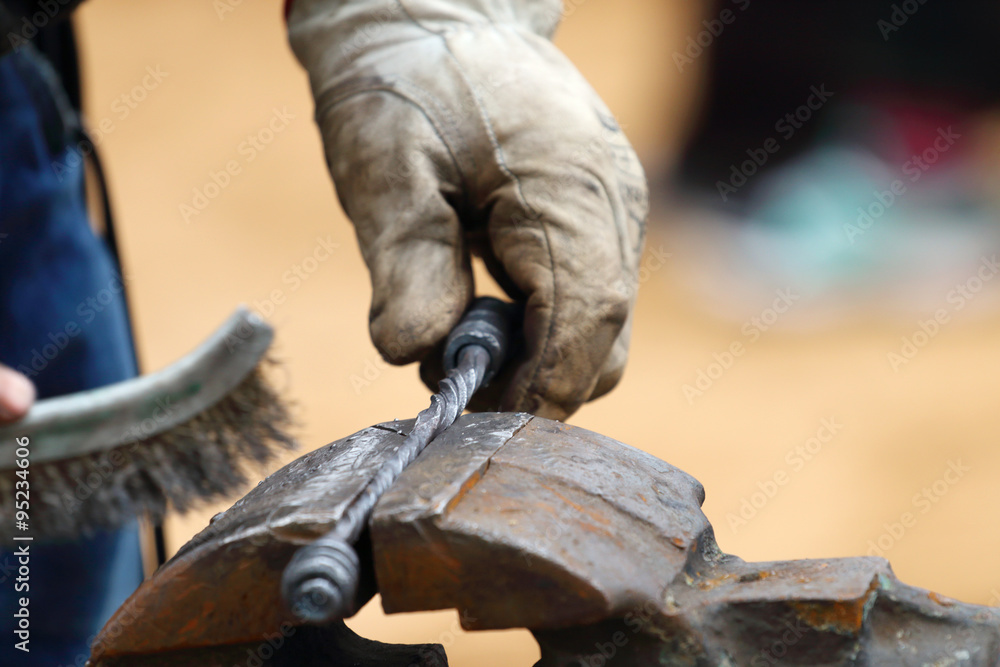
(17, 394)
(454, 127)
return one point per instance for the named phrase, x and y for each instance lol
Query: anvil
(598, 548)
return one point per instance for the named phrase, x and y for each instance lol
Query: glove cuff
(541, 17)
(330, 37)
(351, 26)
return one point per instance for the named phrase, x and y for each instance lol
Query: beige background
(227, 72)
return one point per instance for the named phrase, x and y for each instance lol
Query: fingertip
(614, 368)
(17, 394)
(408, 327)
(518, 398)
(538, 406)
(554, 412)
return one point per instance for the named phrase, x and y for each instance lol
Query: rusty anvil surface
(600, 549)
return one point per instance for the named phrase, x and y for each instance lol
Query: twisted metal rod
(321, 581)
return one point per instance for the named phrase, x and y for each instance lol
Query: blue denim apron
(63, 323)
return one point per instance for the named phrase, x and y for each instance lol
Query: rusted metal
(333, 645)
(516, 521)
(223, 587)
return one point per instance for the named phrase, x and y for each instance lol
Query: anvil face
(517, 521)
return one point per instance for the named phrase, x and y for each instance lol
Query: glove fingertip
(407, 327)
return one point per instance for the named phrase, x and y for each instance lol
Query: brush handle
(320, 582)
(137, 410)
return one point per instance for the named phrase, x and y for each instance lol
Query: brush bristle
(201, 460)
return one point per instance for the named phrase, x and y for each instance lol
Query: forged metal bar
(321, 580)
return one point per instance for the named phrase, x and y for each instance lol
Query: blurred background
(816, 336)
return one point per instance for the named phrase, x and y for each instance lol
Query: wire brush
(184, 435)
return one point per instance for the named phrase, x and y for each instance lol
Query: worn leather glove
(454, 127)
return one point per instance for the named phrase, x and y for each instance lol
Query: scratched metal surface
(604, 552)
(541, 525)
(517, 521)
(223, 586)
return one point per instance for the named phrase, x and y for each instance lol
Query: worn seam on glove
(501, 163)
(405, 91)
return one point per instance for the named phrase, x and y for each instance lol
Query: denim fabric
(62, 323)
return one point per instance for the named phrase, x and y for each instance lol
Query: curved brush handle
(101, 419)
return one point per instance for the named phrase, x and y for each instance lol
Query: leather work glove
(454, 127)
